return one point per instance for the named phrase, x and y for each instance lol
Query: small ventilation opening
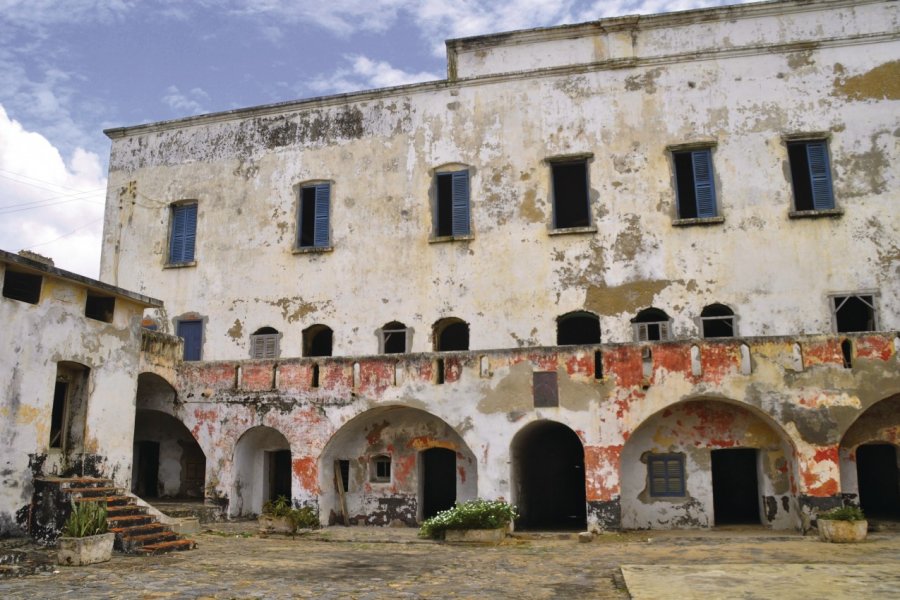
(24, 287)
(847, 352)
(439, 371)
(598, 365)
(100, 308)
(854, 313)
(314, 379)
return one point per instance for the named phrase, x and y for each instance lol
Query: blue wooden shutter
(819, 175)
(460, 203)
(184, 233)
(323, 207)
(704, 189)
(190, 231)
(192, 333)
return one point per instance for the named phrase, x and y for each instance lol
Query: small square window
(571, 207)
(381, 469)
(665, 473)
(695, 188)
(313, 226)
(810, 175)
(100, 308)
(24, 287)
(854, 312)
(451, 215)
(183, 234)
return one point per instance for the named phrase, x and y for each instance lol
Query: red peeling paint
(673, 357)
(599, 460)
(402, 467)
(424, 442)
(624, 363)
(257, 377)
(374, 436)
(462, 474)
(823, 352)
(580, 364)
(307, 472)
(717, 361)
(829, 454)
(871, 347)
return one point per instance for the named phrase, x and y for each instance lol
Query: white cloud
(47, 205)
(365, 73)
(192, 102)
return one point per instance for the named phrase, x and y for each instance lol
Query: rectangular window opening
(24, 287)
(314, 378)
(695, 188)
(381, 469)
(100, 308)
(718, 327)
(854, 313)
(444, 224)
(665, 473)
(183, 234)
(570, 194)
(314, 219)
(811, 175)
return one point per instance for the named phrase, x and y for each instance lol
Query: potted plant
(480, 521)
(85, 539)
(279, 516)
(842, 525)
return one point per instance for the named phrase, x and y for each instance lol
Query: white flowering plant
(475, 514)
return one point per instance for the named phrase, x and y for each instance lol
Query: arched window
(317, 340)
(651, 324)
(394, 338)
(717, 321)
(451, 334)
(264, 343)
(576, 328)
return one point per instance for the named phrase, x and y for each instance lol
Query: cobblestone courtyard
(232, 562)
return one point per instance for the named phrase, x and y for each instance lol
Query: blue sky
(70, 68)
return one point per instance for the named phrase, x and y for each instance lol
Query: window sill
(816, 214)
(183, 265)
(698, 221)
(312, 249)
(439, 239)
(571, 230)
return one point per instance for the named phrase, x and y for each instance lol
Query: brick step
(128, 520)
(138, 529)
(93, 492)
(110, 500)
(124, 510)
(133, 543)
(84, 482)
(164, 547)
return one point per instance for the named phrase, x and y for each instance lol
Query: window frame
(376, 464)
(268, 343)
(828, 207)
(583, 159)
(176, 208)
(701, 150)
(681, 477)
(832, 305)
(701, 322)
(383, 335)
(460, 203)
(322, 242)
(641, 331)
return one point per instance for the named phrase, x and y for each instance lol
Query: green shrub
(475, 514)
(300, 518)
(86, 518)
(844, 513)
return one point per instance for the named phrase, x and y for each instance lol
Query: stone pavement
(373, 563)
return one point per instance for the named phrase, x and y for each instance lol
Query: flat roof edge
(94, 284)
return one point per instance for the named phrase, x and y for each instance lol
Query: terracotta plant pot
(86, 550)
(842, 532)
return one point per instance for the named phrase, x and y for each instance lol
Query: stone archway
(261, 470)
(694, 460)
(548, 477)
(374, 469)
(870, 460)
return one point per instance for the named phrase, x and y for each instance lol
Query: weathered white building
(637, 272)
(70, 359)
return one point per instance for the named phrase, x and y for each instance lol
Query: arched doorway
(548, 477)
(262, 470)
(168, 462)
(870, 460)
(394, 464)
(702, 463)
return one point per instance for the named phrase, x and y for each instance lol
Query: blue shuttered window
(811, 175)
(695, 186)
(314, 227)
(192, 334)
(182, 238)
(452, 212)
(665, 473)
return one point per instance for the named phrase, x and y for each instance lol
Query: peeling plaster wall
(36, 339)
(757, 81)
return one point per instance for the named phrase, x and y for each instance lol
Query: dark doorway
(548, 462)
(735, 487)
(146, 483)
(438, 481)
(279, 463)
(879, 480)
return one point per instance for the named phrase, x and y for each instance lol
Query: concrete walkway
(372, 563)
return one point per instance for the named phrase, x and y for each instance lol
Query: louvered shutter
(704, 190)
(663, 330)
(184, 234)
(176, 239)
(460, 203)
(323, 207)
(819, 175)
(657, 477)
(642, 332)
(674, 477)
(270, 345)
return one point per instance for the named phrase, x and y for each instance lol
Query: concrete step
(138, 529)
(110, 500)
(93, 492)
(133, 543)
(129, 520)
(164, 547)
(124, 510)
(84, 482)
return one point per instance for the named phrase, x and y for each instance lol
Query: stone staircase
(137, 531)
